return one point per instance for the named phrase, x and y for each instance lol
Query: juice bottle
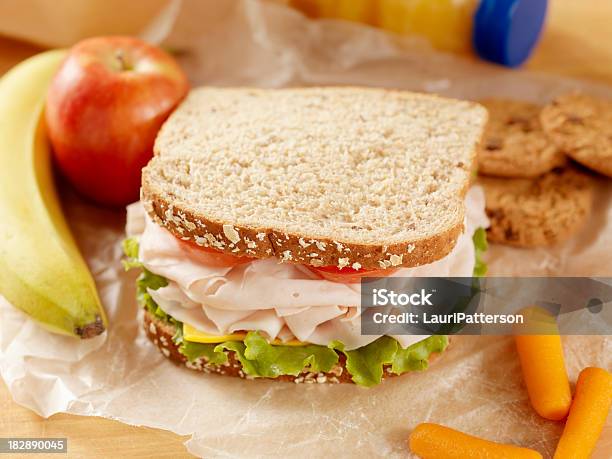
(501, 31)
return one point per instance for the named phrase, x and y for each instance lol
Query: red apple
(104, 109)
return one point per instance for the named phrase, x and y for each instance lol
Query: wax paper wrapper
(475, 386)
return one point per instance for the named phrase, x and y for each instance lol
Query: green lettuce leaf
(366, 363)
(249, 367)
(480, 246)
(416, 357)
(146, 280)
(260, 358)
(130, 249)
(195, 351)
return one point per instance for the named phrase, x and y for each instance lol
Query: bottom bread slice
(161, 333)
(537, 212)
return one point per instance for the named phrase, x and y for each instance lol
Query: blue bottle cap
(506, 31)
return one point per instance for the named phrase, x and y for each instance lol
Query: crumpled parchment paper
(475, 386)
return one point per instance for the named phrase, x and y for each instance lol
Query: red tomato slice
(349, 275)
(215, 257)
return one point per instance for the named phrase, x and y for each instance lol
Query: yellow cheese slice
(196, 336)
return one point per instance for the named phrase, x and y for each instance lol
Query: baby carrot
(433, 441)
(587, 415)
(544, 374)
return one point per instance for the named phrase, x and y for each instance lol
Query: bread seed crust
(287, 248)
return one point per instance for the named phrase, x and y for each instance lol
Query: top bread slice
(345, 177)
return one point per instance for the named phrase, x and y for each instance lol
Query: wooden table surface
(577, 42)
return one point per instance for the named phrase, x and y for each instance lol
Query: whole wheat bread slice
(358, 177)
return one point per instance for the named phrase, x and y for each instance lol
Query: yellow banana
(41, 269)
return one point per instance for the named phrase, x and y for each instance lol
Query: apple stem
(123, 64)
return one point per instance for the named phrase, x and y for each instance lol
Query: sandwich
(262, 210)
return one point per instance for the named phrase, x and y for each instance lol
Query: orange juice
(502, 31)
